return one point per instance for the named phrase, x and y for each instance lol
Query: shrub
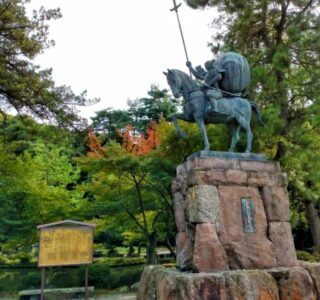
(304, 255)
(122, 261)
(3, 259)
(125, 277)
(32, 280)
(24, 258)
(99, 275)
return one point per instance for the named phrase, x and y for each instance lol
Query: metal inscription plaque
(65, 245)
(248, 215)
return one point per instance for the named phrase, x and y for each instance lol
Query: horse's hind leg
(249, 139)
(247, 128)
(235, 128)
(243, 117)
(203, 131)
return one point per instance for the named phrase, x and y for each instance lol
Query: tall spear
(175, 8)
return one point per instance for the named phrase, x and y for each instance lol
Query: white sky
(115, 49)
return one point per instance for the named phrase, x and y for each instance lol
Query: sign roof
(66, 222)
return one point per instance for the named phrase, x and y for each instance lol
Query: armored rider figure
(211, 76)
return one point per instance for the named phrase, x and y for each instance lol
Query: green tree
(281, 40)
(176, 150)
(35, 187)
(107, 122)
(134, 188)
(19, 133)
(23, 86)
(12, 197)
(157, 104)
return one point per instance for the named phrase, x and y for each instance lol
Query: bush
(114, 253)
(122, 261)
(125, 277)
(3, 259)
(304, 255)
(24, 258)
(32, 280)
(99, 275)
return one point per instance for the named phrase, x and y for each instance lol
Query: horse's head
(174, 81)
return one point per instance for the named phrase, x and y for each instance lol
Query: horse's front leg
(174, 118)
(203, 131)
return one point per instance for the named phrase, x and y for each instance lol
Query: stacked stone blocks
(217, 257)
(207, 200)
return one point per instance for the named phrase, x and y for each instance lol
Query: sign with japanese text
(64, 245)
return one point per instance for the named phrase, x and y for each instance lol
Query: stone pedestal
(234, 238)
(295, 283)
(232, 213)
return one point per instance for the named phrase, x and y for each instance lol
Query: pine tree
(281, 40)
(23, 86)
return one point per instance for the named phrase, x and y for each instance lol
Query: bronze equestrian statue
(219, 100)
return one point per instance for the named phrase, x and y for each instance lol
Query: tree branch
(132, 216)
(301, 12)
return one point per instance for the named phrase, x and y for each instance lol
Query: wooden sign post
(65, 243)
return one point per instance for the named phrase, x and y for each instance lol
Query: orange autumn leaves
(133, 142)
(95, 148)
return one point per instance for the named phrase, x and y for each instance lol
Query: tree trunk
(170, 248)
(130, 251)
(151, 249)
(314, 225)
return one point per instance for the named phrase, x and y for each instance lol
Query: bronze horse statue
(234, 111)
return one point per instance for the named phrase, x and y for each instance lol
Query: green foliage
(158, 104)
(19, 133)
(134, 188)
(304, 255)
(24, 87)
(24, 257)
(37, 178)
(122, 261)
(3, 259)
(32, 280)
(101, 276)
(141, 112)
(108, 121)
(197, 3)
(177, 150)
(281, 40)
(127, 277)
(111, 236)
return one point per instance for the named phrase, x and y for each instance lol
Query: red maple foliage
(132, 142)
(94, 145)
(138, 144)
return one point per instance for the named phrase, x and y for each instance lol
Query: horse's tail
(257, 113)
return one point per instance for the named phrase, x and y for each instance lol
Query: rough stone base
(217, 229)
(295, 283)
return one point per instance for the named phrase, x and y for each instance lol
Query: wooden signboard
(65, 243)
